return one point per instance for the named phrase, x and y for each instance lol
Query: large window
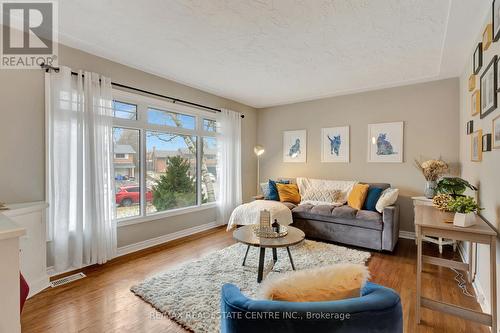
(165, 156)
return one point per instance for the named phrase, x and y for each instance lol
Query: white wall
(429, 111)
(485, 174)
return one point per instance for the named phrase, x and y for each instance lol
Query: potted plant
(432, 170)
(454, 186)
(464, 208)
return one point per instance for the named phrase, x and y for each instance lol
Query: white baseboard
(147, 243)
(406, 234)
(163, 239)
(38, 285)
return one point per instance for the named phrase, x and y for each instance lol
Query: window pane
(209, 125)
(208, 169)
(124, 110)
(127, 172)
(160, 117)
(171, 171)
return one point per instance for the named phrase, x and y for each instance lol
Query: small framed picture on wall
(335, 144)
(475, 103)
(495, 19)
(495, 138)
(487, 142)
(487, 37)
(472, 82)
(476, 146)
(470, 127)
(477, 60)
(488, 87)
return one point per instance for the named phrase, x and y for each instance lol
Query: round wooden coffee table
(246, 236)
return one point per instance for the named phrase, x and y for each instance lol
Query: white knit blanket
(249, 213)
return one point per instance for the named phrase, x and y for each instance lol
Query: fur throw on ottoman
(329, 283)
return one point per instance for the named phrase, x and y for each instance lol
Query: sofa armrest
(390, 231)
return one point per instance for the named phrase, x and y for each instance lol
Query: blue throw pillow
(273, 190)
(372, 198)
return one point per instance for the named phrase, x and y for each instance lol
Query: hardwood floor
(102, 302)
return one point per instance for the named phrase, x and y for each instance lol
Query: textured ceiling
(265, 53)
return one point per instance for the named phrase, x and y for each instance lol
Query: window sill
(162, 215)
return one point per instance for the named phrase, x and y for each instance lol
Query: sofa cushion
(344, 212)
(288, 193)
(372, 198)
(357, 196)
(368, 215)
(341, 215)
(273, 190)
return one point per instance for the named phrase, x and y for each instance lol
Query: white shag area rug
(190, 293)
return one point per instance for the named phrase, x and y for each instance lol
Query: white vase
(464, 220)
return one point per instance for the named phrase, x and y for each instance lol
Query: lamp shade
(258, 150)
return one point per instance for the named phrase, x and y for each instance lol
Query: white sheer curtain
(80, 191)
(229, 164)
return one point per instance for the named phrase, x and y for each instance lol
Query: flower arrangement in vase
(432, 171)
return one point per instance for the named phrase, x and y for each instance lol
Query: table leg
(470, 273)
(261, 264)
(493, 283)
(290, 256)
(419, 273)
(246, 254)
(275, 254)
(440, 240)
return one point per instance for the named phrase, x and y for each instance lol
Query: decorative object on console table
(295, 146)
(488, 87)
(487, 37)
(486, 142)
(439, 241)
(476, 146)
(258, 150)
(472, 82)
(495, 20)
(454, 186)
(475, 103)
(432, 170)
(335, 144)
(470, 127)
(465, 209)
(385, 142)
(477, 60)
(496, 132)
(3, 207)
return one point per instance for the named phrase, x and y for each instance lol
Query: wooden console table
(429, 221)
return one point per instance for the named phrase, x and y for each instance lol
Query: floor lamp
(258, 150)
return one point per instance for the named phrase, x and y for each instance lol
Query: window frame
(141, 124)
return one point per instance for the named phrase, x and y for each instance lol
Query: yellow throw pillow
(357, 196)
(328, 283)
(288, 193)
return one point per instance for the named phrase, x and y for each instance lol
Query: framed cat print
(488, 88)
(295, 146)
(385, 142)
(335, 144)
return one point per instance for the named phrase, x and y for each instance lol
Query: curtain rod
(48, 68)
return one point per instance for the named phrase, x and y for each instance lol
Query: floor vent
(67, 279)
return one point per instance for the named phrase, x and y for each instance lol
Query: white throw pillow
(329, 283)
(387, 198)
(321, 196)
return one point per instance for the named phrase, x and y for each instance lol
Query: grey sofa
(349, 226)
